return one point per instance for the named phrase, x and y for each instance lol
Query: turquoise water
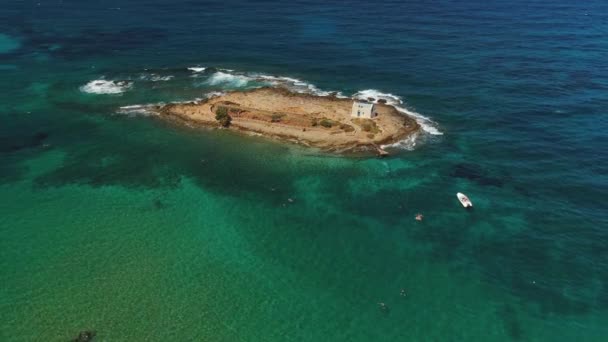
(114, 221)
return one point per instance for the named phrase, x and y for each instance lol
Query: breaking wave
(408, 143)
(134, 110)
(197, 69)
(297, 85)
(214, 94)
(226, 79)
(155, 77)
(106, 87)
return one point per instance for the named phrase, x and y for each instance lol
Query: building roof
(364, 104)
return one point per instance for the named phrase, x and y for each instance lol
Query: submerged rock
(475, 173)
(15, 144)
(85, 336)
(158, 204)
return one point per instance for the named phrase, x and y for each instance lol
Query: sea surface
(114, 221)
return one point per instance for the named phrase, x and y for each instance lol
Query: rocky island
(325, 122)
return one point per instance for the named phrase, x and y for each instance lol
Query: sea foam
(106, 87)
(226, 79)
(136, 110)
(155, 77)
(408, 143)
(296, 85)
(231, 79)
(197, 69)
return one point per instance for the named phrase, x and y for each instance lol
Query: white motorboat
(466, 202)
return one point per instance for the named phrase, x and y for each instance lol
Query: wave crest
(197, 69)
(106, 87)
(134, 110)
(226, 79)
(155, 77)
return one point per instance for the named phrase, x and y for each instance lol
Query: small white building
(363, 110)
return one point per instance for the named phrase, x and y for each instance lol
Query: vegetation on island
(276, 117)
(222, 116)
(367, 125)
(316, 121)
(326, 123)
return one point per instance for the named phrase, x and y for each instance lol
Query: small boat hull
(464, 200)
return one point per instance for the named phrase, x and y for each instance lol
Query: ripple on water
(8, 43)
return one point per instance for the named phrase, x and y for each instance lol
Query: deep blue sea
(116, 222)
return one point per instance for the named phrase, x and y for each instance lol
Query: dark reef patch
(85, 336)
(159, 204)
(90, 42)
(511, 323)
(476, 173)
(10, 144)
(120, 152)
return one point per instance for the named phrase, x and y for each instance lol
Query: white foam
(213, 94)
(390, 99)
(230, 79)
(197, 69)
(296, 85)
(408, 143)
(222, 78)
(134, 110)
(106, 87)
(155, 78)
(426, 123)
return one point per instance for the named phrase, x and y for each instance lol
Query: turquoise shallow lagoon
(114, 221)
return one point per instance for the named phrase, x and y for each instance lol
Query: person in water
(419, 217)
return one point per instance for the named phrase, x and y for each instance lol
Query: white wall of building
(362, 110)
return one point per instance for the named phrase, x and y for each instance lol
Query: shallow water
(114, 221)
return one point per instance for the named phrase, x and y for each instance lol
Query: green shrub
(367, 125)
(326, 123)
(276, 117)
(347, 128)
(221, 111)
(221, 115)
